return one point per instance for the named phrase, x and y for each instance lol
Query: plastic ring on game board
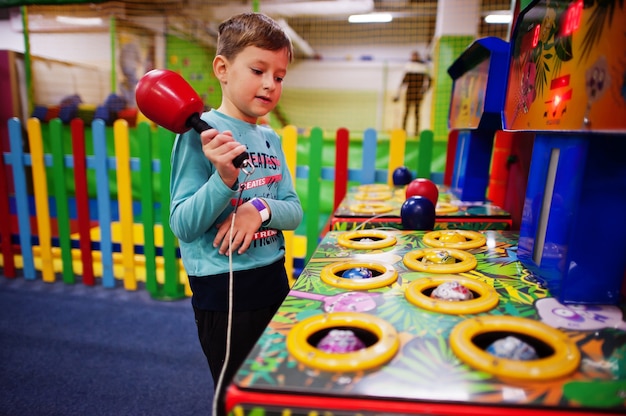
(331, 274)
(372, 208)
(473, 239)
(563, 361)
(374, 187)
(372, 196)
(467, 262)
(445, 208)
(487, 296)
(372, 356)
(373, 239)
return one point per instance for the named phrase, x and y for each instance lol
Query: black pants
(416, 111)
(247, 327)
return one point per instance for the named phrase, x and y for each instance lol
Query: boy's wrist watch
(262, 208)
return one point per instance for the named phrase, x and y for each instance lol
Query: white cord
(220, 381)
(364, 223)
(229, 325)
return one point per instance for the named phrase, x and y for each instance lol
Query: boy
(247, 277)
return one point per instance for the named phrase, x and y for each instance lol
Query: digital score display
(570, 23)
(572, 18)
(567, 70)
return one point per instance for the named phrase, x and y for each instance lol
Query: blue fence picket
(21, 197)
(101, 165)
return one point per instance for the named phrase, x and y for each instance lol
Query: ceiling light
(81, 21)
(498, 18)
(370, 18)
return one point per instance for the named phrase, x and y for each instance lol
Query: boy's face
(252, 82)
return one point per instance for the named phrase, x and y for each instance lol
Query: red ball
(423, 187)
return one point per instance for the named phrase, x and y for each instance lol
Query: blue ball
(402, 176)
(417, 213)
(357, 273)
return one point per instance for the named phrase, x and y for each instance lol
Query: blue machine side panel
(471, 169)
(580, 230)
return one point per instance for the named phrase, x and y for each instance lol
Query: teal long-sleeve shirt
(200, 199)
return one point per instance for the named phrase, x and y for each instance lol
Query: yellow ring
(373, 196)
(562, 362)
(383, 240)
(331, 274)
(367, 358)
(374, 187)
(371, 208)
(475, 239)
(487, 296)
(467, 263)
(445, 208)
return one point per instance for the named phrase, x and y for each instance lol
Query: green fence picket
(60, 198)
(173, 287)
(316, 142)
(425, 154)
(147, 207)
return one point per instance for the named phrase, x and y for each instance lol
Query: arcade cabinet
(567, 86)
(478, 92)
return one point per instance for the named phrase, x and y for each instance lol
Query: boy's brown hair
(251, 29)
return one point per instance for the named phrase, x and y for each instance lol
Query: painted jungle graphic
(568, 67)
(426, 367)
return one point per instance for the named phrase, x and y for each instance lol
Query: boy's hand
(221, 149)
(247, 223)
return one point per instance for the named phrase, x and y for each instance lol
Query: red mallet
(402, 176)
(417, 213)
(423, 187)
(164, 97)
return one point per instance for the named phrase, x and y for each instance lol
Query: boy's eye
(256, 71)
(279, 79)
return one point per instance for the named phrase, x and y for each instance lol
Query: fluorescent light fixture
(499, 18)
(290, 8)
(80, 21)
(371, 18)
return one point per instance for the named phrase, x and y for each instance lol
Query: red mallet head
(418, 213)
(423, 187)
(168, 100)
(402, 176)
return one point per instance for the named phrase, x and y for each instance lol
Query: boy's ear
(220, 67)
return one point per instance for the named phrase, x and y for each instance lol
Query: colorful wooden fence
(52, 231)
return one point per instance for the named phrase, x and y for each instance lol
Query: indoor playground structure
(478, 274)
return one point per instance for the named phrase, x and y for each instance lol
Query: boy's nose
(268, 83)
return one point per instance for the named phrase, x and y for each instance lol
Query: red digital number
(536, 35)
(572, 18)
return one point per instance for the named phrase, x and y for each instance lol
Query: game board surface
(425, 369)
(380, 206)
